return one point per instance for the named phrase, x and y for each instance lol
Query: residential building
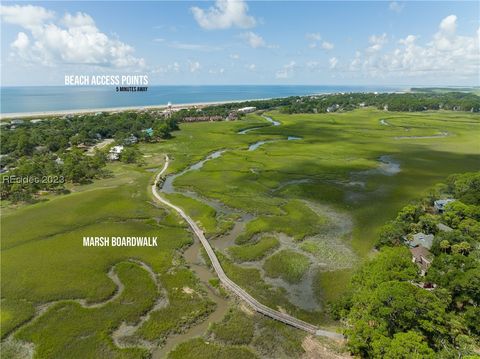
(132, 139)
(114, 153)
(421, 239)
(443, 227)
(440, 204)
(422, 257)
(246, 109)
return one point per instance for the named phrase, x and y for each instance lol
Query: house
(422, 257)
(232, 116)
(333, 108)
(59, 161)
(114, 153)
(82, 147)
(246, 109)
(148, 132)
(440, 204)
(130, 140)
(40, 149)
(37, 120)
(16, 122)
(421, 239)
(202, 119)
(443, 227)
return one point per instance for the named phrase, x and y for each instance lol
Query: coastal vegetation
(53, 229)
(254, 251)
(310, 209)
(289, 265)
(36, 150)
(47, 155)
(406, 102)
(391, 312)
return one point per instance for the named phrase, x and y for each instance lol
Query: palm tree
(444, 245)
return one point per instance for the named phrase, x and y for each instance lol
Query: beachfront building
(246, 109)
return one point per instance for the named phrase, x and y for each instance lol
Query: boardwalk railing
(227, 282)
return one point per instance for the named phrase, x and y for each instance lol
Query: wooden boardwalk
(227, 282)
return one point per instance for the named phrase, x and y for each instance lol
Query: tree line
(388, 316)
(43, 156)
(404, 102)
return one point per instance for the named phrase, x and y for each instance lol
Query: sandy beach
(40, 114)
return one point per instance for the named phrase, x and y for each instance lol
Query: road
(227, 282)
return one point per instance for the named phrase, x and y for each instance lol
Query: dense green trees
(43, 172)
(406, 102)
(404, 345)
(130, 155)
(60, 133)
(43, 156)
(389, 315)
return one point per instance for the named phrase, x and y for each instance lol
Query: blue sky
(238, 42)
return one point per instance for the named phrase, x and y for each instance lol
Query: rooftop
(421, 239)
(443, 227)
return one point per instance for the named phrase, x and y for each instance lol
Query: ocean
(59, 98)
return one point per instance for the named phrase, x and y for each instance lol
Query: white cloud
(158, 39)
(313, 36)
(286, 71)
(253, 39)
(447, 55)
(74, 39)
(215, 71)
(225, 14)
(377, 42)
(396, 6)
(327, 45)
(449, 24)
(170, 68)
(410, 39)
(193, 47)
(194, 66)
(27, 16)
(234, 56)
(333, 61)
(252, 67)
(315, 39)
(22, 42)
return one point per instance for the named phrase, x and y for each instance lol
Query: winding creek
(195, 262)
(192, 254)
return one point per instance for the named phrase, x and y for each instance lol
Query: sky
(228, 42)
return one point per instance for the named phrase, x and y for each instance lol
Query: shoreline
(17, 115)
(42, 114)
